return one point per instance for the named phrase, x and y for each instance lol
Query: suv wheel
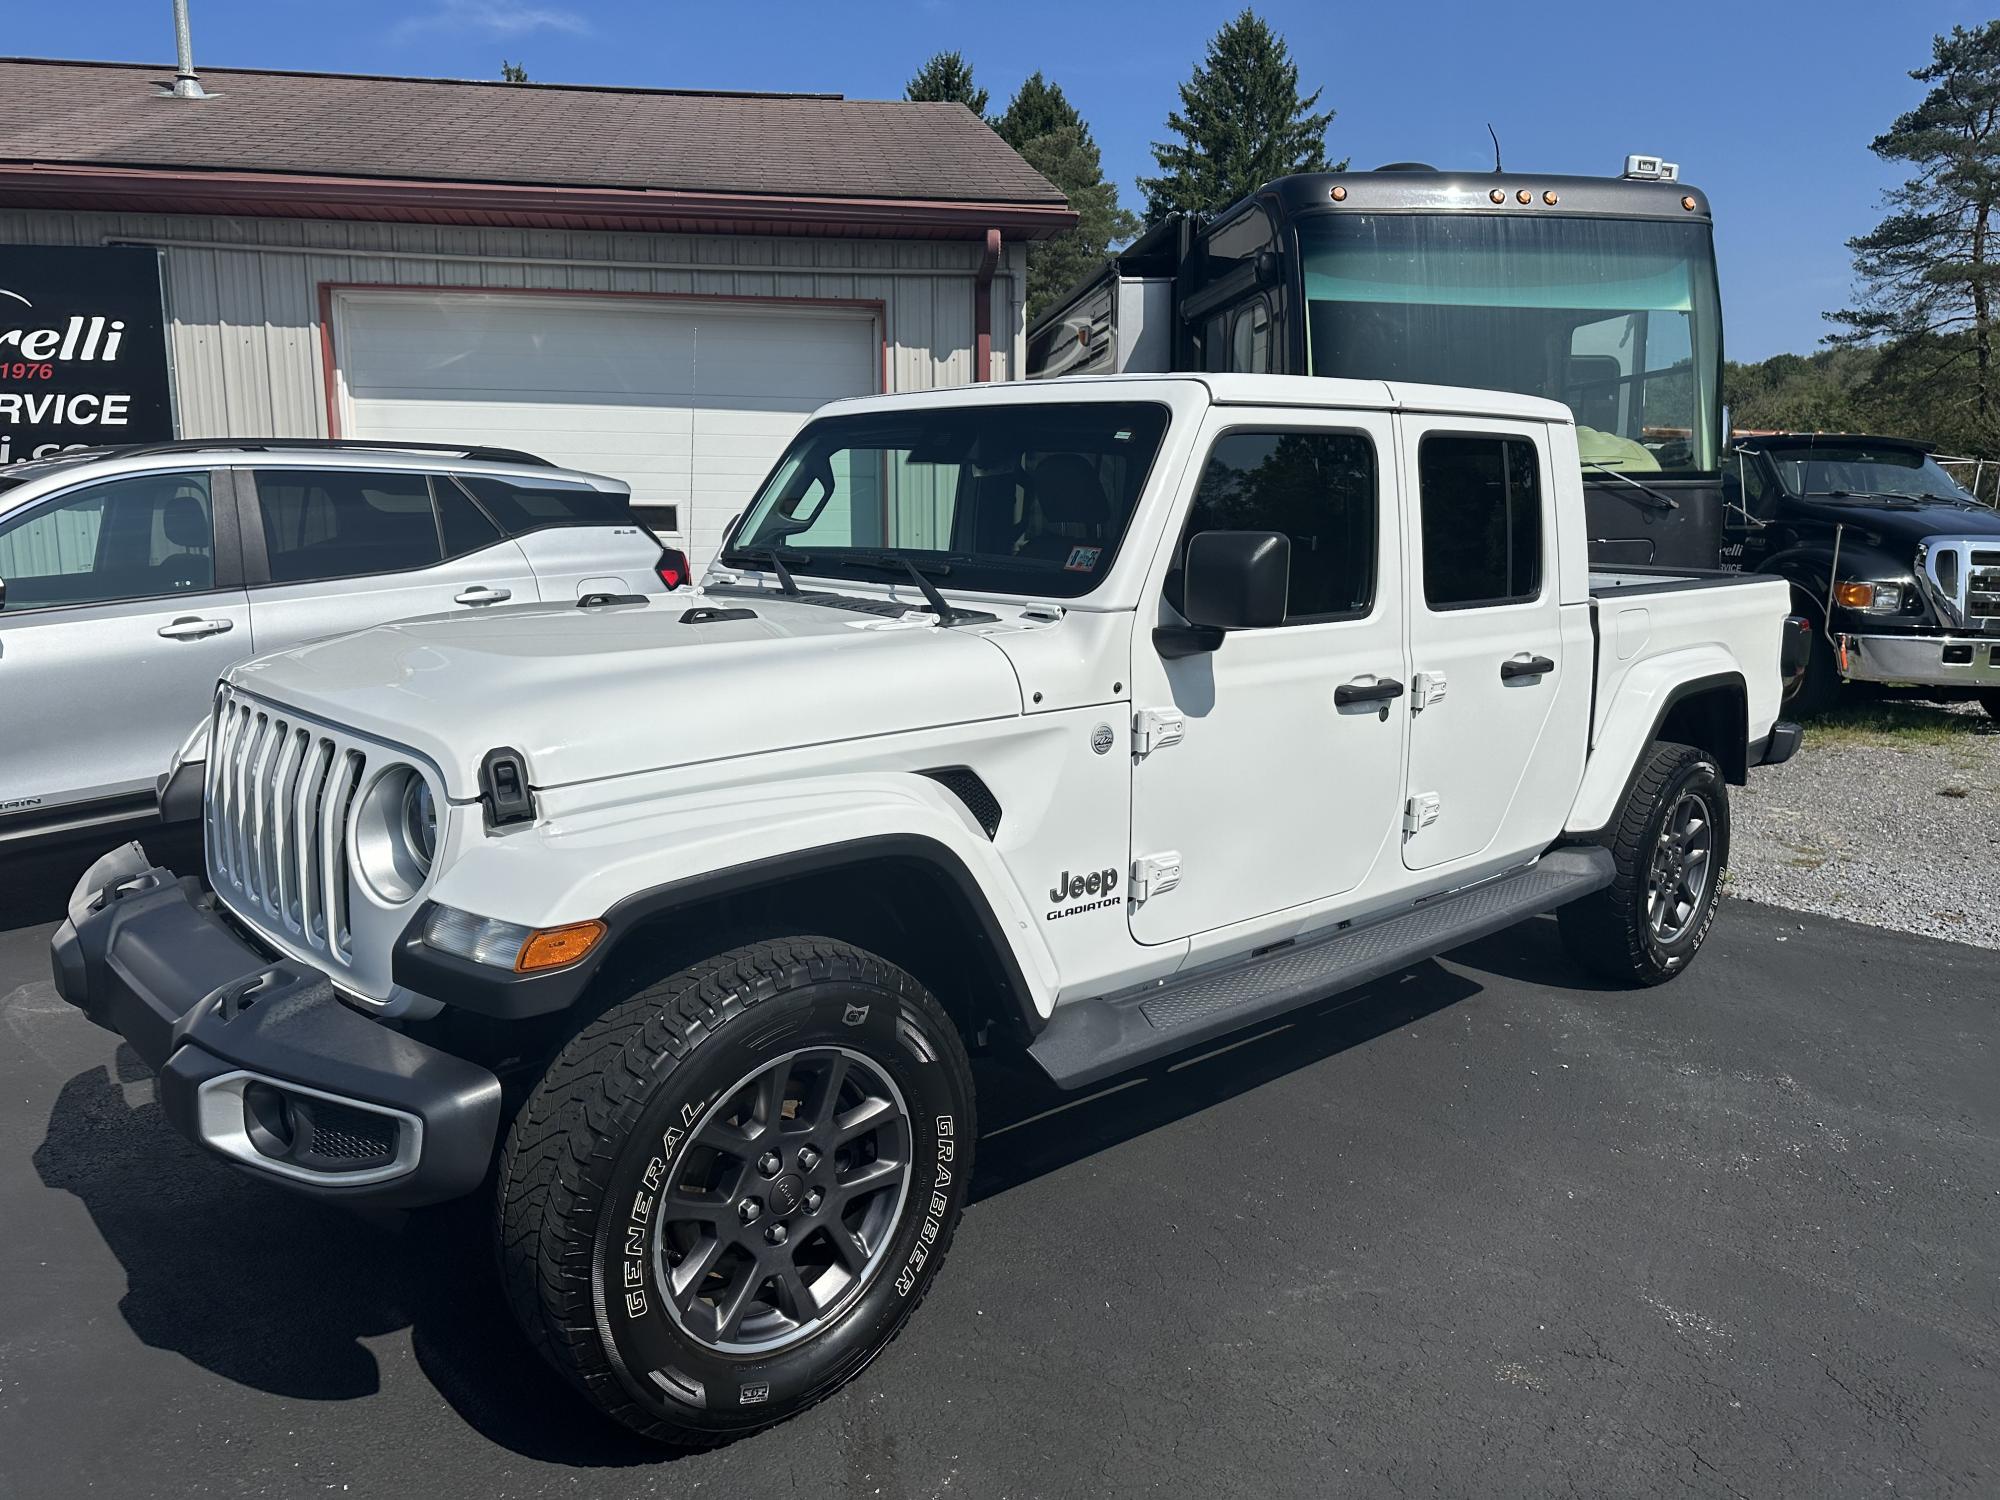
(728, 1193)
(1671, 846)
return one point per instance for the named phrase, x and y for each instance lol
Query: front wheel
(1670, 845)
(1989, 699)
(728, 1193)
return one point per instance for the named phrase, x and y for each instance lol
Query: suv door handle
(1534, 666)
(1381, 690)
(479, 593)
(193, 628)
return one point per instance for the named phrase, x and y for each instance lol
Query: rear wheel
(1670, 845)
(729, 1192)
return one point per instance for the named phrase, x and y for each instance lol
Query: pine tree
(1927, 273)
(1242, 121)
(1046, 129)
(947, 78)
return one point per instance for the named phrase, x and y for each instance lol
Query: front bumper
(259, 1059)
(1928, 660)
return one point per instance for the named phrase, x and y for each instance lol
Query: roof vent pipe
(186, 84)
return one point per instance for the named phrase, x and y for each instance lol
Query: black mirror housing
(1237, 580)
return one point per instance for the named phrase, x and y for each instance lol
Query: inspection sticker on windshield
(1083, 559)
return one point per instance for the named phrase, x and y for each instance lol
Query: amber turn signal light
(1854, 595)
(553, 947)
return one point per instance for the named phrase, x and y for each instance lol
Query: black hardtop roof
(1761, 440)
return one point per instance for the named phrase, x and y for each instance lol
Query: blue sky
(1768, 105)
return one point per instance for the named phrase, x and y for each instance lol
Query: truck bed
(1622, 583)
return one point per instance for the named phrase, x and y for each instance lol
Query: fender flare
(1605, 786)
(990, 907)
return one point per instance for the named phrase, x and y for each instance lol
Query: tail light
(673, 568)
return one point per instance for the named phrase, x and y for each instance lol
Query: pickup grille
(279, 796)
(1982, 586)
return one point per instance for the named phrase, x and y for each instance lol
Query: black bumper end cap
(1782, 744)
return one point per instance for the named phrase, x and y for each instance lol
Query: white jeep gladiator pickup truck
(1100, 720)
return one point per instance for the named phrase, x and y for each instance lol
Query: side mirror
(1233, 580)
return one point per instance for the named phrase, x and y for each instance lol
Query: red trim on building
(329, 355)
(285, 195)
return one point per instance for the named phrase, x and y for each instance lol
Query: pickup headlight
(1875, 598)
(509, 945)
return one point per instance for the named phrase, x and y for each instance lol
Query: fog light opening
(269, 1120)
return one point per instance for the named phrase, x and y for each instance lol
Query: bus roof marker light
(1549, 197)
(1497, 196)
(1524, 196)
(1688, 202)
(1337, 193)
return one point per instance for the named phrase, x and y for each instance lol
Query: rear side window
(342, 523)
(519, 506)
(465, 526)
(1319, 489)
(1481, 498)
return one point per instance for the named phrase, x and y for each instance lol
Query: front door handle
(1381, 690)
(193, 628)
(1534, 666)
(479, 593)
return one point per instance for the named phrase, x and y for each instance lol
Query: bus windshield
(1616, 318)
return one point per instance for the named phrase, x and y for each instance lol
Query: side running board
(1088, 1040)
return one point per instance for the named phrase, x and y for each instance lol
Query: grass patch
(1896, 725)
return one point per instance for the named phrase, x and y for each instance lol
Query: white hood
(591, 693)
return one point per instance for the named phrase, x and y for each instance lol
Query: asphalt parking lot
(1480, 1229)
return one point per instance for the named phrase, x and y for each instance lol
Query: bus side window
(1250, 338)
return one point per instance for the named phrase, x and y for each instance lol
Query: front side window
(1319, 489)
(150, 536)
(1013, 499)
(343, 523)
(1481, 499)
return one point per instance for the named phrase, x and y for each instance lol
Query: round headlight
(395, 834)
(420, 821)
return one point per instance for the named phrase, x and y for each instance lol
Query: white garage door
(690, 402)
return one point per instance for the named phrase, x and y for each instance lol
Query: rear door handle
(193, 628)
(480, 594)
(1381, 690)
(1534, 666)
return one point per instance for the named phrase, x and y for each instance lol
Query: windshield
(1864, 471)
(1615, 318)
(1026, 499)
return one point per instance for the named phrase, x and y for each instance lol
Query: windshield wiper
(921, 576)
(770, 555)
(1660, 501)
(1905, 502)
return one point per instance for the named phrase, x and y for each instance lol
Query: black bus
(1596, 292)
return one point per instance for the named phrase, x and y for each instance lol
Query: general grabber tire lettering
(1671, 846)
(728, 1192)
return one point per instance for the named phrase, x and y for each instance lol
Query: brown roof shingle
(117, 115)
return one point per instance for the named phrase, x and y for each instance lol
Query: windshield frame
(1315, 236)
(1146, 422)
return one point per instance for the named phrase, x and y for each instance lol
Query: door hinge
(1156, 728)
(1426, 688)
(1421, 811)
(1155, 874)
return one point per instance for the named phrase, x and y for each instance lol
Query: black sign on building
(83, 349)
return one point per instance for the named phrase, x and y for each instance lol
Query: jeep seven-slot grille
(279, 796)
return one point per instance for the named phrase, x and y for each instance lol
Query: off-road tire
(1820, 688)
(595, 1142)
(1611, 932)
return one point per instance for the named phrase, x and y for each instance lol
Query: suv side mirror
(1233, 580)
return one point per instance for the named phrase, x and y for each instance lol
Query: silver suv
(131, 579)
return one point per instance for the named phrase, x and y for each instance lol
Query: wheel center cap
(788, 1192)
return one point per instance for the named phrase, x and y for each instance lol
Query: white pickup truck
(1100, 720)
